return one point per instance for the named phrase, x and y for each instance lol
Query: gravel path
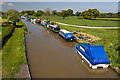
(23, 72)
(88, 26)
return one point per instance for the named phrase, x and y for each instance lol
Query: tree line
(87, 14)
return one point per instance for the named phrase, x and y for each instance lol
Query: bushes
(7, 34)
(5, 24)
(4, 17)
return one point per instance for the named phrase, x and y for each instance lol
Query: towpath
(89, 26)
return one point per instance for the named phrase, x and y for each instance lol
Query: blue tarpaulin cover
(69, 35)
(94, 53)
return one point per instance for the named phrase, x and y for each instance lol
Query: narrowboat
(22, 17)
(94, 55)
(67, 35)
(53, 27)
(44, 23)
(29, 19)
(33, 20)
(38, 21)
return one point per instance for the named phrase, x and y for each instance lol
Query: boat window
(82, 48)
(57, 28)
(61, 32)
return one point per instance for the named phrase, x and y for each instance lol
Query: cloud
(2, 2)
(10, 4)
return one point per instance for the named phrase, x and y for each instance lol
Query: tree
(78, 14)
(35, 14)
(70, 12)
(47, 12)
(87, 14)
(41, 12)
(23, 12)
(30, 12)
(64, 14)
(54, 12)
(13, 18)
(94, 12)
(38, 13)
(118, 14)
(1, 13)
(26, 14)
(91, 13)
(58, 13)
(109, 14)
(11, 11)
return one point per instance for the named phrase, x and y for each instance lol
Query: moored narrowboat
(39, 21)
(44, 23)
(29, 19)
(22, 17)
(33, 20)
(53, 27)
(67, 35)
(94, 55)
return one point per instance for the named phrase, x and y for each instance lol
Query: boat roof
(65, 31)
(97, 51)
(55, 25)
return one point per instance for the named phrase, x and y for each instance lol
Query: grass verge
(13, 52)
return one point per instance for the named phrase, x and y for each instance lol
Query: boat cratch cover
(95, 54)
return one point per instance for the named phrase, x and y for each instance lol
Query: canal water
(50, 56)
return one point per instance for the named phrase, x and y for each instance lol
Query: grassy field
(108, 18)
(101, 22)
(13, 52)
(109, 39)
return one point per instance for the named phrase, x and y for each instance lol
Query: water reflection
(85, 64)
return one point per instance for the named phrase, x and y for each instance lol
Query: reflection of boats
(67, 35)
(94, 55)
(53, 27)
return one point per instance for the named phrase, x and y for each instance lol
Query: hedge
(7, 34)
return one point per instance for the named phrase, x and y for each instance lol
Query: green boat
(55, 28)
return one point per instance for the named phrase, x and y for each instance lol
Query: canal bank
(50, 56)
(14, 64)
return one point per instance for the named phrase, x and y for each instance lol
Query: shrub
(7, 34)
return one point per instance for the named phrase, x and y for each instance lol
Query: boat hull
(90, 65)
(52, 30)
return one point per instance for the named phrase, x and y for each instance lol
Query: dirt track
(89, 26)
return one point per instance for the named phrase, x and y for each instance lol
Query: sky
(75, 6)
(60, 0)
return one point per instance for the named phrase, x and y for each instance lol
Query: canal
(50, 56)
